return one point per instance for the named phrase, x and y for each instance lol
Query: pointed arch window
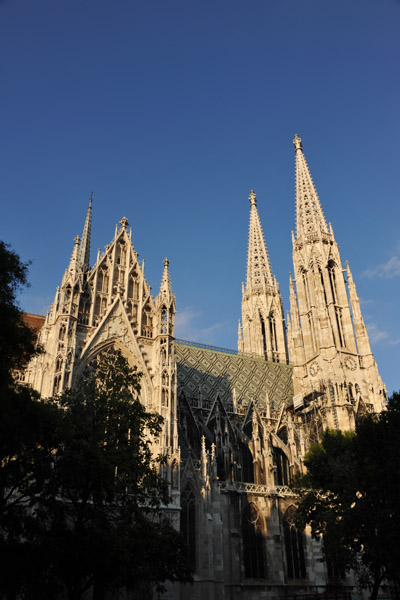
(57, 384)
(274, 341)
(147, 323)
(339, 323)
(282, 475)
(306, 289)
(164, 320)
(253, 543)
(351, 393)
(332, 279)
(188, 522)
(323, 285)
(164, 389)
(246, 463)
(294, 547)
(264, 337)
(312, 331)
(61, 335)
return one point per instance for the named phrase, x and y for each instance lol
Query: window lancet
(188, 522)
(294, 547)
(253, 546)
(264, 337)
(323, 285)
(274, 341)
(332, 280)
(282, 467)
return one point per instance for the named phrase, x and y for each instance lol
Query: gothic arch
(294, 546)
(253, 542)
(108, 346)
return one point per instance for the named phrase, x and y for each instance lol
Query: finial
(297, 142)
(166, 261)
(91, 198)
(124, 222)
(253, 198)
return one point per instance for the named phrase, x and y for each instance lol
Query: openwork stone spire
(309, 215)
(84, 254)
(262, 332)
(259, 271)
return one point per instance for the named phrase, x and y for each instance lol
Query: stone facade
(236, 423)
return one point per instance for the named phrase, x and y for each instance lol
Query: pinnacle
(165, 287)
(124, 222)
(84, 253)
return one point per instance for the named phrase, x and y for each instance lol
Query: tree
(350, 496)
(17, 341)
(100, 511)
(80, 491)
(26, 428)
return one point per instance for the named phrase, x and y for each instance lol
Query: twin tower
(327, 342)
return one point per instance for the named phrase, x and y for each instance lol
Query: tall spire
(262, 332)
(309, 215)
(329, 343)
(259, 271)
(84, 254)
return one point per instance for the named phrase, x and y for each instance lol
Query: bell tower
(262, 331)
(329, 343)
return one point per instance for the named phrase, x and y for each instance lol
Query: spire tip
(253, 198)
(297, 142)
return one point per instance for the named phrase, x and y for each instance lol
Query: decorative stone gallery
(236, 423)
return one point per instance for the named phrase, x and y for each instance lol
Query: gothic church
(236, 423)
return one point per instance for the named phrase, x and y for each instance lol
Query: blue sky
(171, 111)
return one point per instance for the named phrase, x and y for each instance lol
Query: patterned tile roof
(210, 373)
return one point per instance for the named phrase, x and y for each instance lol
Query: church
(237, 424)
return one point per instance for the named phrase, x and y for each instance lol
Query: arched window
(282, 467)
(294, 547)
(188, 522)
(272, 332)
(332, 279)
(146, 323)
(306, 288)
(323, 285)
(61, 335)
(253, 546)
(351, 394)
(246, 463)
(264, 337)
(164, 320)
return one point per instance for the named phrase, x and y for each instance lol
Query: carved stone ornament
(350, 363)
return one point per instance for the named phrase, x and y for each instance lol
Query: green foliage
(80, 492)
(100, 516)
(350, 496)
(26, 432)
(16, 339)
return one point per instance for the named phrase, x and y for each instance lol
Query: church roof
(208, 373)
